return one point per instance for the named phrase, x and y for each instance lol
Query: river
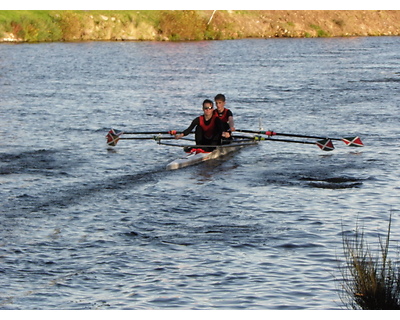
(86, 226)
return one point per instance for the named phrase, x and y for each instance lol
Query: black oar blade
(113, 137)
(325, 144)
(353, 142)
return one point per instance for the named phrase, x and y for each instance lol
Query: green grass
(65, 25)
(320, 32)
(30, 25)
(69, 25)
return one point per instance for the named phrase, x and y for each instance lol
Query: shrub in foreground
(369, 282)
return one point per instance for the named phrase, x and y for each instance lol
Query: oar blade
(113, 137)
(325, 145)
(353, 142)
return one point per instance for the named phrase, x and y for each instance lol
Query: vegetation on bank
(369, 282)
(177, 25)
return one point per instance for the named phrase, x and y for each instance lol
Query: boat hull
(195, 158)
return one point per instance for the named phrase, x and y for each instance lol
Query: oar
(324, 144)
(113, 136)
(171, 132)
(146, 138)
(350, 141)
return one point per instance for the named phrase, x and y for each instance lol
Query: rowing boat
(197, 155)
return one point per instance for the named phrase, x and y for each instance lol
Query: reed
(369, 282)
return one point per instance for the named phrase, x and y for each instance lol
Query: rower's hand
(226, 134)
(179, 135)
(232, 129)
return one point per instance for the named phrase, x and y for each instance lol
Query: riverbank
(181, 25)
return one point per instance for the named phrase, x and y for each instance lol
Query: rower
(223, 113)
(209, 128)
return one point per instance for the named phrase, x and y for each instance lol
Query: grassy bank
(176, 25)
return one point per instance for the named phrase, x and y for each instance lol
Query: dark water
(86, 227)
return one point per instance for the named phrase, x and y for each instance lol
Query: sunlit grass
(77, 25)
(69, 25)
(30, 25)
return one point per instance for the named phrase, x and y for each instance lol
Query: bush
(182, 25)
(368, 282)
(70, 24)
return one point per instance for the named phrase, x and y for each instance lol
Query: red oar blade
(353, 142)
(325, 144)
(113, 137)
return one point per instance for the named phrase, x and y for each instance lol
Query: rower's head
(208, 106)
(220, 101)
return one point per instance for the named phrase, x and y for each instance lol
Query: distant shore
(192, 25)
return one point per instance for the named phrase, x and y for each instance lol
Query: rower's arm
(185, 132)
(231, 123)
(189, 129)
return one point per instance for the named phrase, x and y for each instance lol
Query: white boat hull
(194, 158)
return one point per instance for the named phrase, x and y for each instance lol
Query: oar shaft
(323, 144)
(273, 133)
(283, 140)
(260, 138)
(147, 132)
(303, 136)
(171, 132)
(146, 138)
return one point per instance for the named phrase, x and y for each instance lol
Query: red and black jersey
(211, 126)
(207, 132)
(224, 116)
(208, 126)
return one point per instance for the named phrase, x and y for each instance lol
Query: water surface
(85, 226)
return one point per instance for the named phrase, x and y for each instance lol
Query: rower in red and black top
(209, 128)
(223, 113)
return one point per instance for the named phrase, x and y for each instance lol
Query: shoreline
(32, 26)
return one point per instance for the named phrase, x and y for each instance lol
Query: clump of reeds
(369, 282)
